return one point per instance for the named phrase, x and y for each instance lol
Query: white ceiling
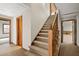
(12, 9)
(67, 9)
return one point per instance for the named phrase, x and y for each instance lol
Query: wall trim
(4, 37)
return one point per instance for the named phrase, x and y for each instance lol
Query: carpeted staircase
(40, 44)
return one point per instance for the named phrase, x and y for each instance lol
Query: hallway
(67, 38)
(69, 50)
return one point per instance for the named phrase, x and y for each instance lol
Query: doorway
(5, 31)
(19, 30)
(68, 31)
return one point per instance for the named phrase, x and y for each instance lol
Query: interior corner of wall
(77, 44)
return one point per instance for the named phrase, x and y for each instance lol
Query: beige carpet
(69, 50)
(12, 50)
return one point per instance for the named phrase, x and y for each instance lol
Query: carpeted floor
(12, 50)
(69, 50)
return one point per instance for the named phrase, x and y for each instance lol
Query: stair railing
(53, 34)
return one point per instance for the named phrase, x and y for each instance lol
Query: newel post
(50, 43)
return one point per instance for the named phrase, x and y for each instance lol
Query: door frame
(6, 19)
(75, 30)
(17, 28)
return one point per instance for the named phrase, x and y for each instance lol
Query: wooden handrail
(54, 20)
(53, 37)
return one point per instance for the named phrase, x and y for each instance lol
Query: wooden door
(19, 31)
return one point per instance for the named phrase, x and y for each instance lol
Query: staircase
(46, 42)
(40, 44)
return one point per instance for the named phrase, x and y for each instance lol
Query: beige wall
(77, 29)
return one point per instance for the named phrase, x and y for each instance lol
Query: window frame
(4, 29)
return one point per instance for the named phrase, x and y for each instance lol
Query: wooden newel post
(50, 43)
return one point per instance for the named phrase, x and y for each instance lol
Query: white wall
(1, 29)
(26, 28)
(15, 10)
(77, 29)
(13, 31)
(33, 17)
(40, 13)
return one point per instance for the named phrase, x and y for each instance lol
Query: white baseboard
(77, 44)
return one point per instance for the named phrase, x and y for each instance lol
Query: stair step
(43, 34)
(44, 31)
(41, 44)
(39, 37)
(39, 50)
(42, 39)
(46, 28)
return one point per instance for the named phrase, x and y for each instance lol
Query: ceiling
(68, 9)
(13, 9)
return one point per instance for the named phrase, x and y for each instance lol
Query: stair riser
(43, 35)
(41, 45)
(43, 40)
(45, 28)
(48, 24)
(43, 31)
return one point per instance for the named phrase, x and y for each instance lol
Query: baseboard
(13, 43)
(77, 44)
(3, 37)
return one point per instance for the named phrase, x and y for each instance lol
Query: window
(6, 29)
